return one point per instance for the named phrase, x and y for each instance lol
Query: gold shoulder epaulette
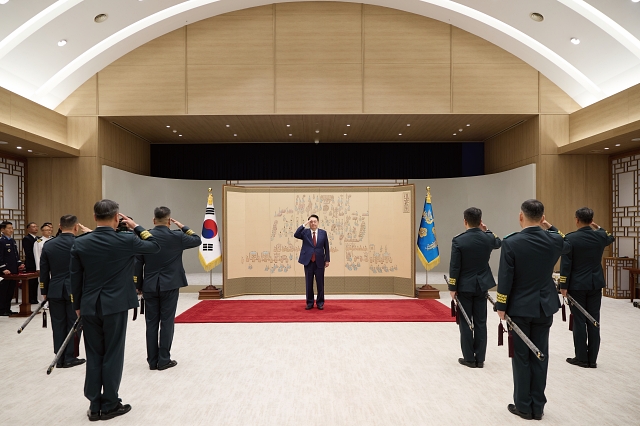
(145, 234)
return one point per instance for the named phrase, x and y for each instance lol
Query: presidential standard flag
(427, 240)
(210, 251)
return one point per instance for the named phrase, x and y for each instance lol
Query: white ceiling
(605, 62)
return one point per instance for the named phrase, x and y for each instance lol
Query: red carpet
(367, 310)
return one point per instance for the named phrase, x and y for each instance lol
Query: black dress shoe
(513, 410)
(118, 411)
(308, 307)
(574, 361)
(538, 416)
(321, 307)
(170, 364)
(74, 362)
(93, 415)
(479, 364)
(153, 367)
(4, 314)
(594, 365)
(467, 363)
(34, 302)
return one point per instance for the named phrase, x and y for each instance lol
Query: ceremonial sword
(583, 310)
(519, 332)
(459, 305)
(33, 314)
(64, 346)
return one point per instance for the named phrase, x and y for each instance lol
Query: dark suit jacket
(581, 268)
(102, 266)
(54, 266)
(27, 247)
(469, 266)
(9, 259)
(321, 249)
(164, 271)
(525, 282)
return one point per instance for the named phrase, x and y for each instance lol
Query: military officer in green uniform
(159, 277)
(526, 293)
(581, 276)
(103, 292)
(55, 286)
(469, 278)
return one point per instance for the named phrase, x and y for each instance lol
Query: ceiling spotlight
(468, 125)
(288, 125)
(235, 134)
(3, 142)
(317, 141)
(459, 130)
(635, 140)
(618, 143)
(62, 42)
(19, 147)
(348, 125)
(290, 134)
(179, 135)
(399, 134)
(100, 18)
(317, 131)
(168, 126)
(228, 125)
(606, 148)
(454, 134)
(345, 134)
(408, 125)
(536, 16)
(175, 131)
(575, 40)
(29, 150)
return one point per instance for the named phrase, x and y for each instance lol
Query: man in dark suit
(102, 292)
(29, 259)
(159, 277)
(55, 284)
(526, 292)
(315, 257)
(470, 277)
(10, 263)
(581, 275)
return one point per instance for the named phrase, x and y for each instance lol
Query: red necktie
(313, 256)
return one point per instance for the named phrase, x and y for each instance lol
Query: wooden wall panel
(495, 88)
(169, 49)
(319, 89)
(370, 9)
(605, 115)
(318, 7)
(40, 191)
(406, 39)
(253, 11)
(231, 40)
(321, 38)
(230, 89)
(121, 149)
(598, 192)
(554, 132)
(31, 117)
(146, 90)
(470, 49)
(5, 106)
(78, 199)
(84, 101)
(634, 103)
(513, 148)
(405, 88)
(83, 134)
(553, 100)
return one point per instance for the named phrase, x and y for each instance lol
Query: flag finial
(210, 199)
(428, 194)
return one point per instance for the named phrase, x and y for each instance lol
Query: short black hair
(68, 221)
(314, 215)
(532, 209)
(46, 224)
(584, 215)
(105, 209)
(4, 224)
(161, 213)
(30, 223)
(473, 216)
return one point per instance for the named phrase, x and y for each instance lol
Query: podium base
(210, 292)
(427, 292)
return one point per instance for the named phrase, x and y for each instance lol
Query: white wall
(499, 196)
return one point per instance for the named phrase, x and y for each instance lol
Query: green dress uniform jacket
(581, 268)
(469, 266)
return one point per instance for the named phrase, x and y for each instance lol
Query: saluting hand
(128, 221)
(83, 228)
(178, 224)
(545, 225)
(483, 226)
(594, 226)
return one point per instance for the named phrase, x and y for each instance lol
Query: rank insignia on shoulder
(501, 298)
(507, 236)
(39, 240)
(452, 281)
(190, 232)
(145, 234)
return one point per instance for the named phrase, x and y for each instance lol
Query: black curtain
(276, 161)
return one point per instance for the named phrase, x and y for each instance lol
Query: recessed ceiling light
(235, 134)
(399, 134)
(348, 125)
(290, 134)
(29, 150)
(227, 125)
(345, 134)
(408, 125)
(618, 143)
(459, 130)
(635, 140)
(3, 142)
(175, 131)
(179, 135)
(317, 131)
(317, 141)
(468, 125)
(19, 147)
(100, 18)
(454, 134)
(606, 148)
(575, 40)
(168, 126)
(536, 16)
(62, 42)
(288, 125)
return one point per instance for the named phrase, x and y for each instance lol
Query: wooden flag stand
(427, 291)
(210, 292)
